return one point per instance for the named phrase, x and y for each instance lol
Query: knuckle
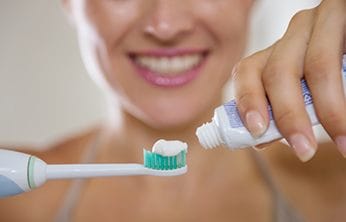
(317, 67)
(324, 8)
(301, 21)
(244, 100)
(274, 74)
(243, 66)
(300, 15)
(285, 118)
(251, 65)
(332, 117)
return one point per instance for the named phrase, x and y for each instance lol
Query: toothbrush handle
(69, 171)
(13, 173)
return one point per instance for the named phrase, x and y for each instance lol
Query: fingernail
(259, 148)
(303, 148)
(341, 143)
(255, 123)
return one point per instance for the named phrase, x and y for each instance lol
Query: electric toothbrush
(20, 172)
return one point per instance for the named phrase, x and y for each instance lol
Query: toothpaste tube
(227, 128)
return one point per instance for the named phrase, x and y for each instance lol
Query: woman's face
(166, 60)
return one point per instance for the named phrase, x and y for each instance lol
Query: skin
(220, 184)
(312, 46)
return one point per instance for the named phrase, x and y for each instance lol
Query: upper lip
(167, 52)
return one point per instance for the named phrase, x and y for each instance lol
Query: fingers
(249, 92)
(322, 70)
(312, 46)
(281, 78)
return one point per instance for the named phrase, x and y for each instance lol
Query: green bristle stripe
(159, 162)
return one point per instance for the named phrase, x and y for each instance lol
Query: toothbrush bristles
(159, 162)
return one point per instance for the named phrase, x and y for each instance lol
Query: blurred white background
(45, 93)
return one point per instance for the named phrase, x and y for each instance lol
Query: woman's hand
(312, 47)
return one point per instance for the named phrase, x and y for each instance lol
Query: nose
(169, 20)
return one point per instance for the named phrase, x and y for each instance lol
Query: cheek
(111, 21)
(226, 20)
(102, 27)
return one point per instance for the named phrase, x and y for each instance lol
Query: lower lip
(180, 79)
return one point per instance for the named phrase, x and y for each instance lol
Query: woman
(163, 64)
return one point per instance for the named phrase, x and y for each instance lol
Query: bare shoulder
(70, 149)
(42, 204)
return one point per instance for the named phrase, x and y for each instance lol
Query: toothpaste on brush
(169, 147)
(227, 128)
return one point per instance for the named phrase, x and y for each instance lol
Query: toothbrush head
(159, 162)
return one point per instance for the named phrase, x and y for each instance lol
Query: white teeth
(169, 65)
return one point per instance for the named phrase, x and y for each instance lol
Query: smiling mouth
(169, 68)
(169, 65)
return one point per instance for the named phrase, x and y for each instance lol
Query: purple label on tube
(234, 117)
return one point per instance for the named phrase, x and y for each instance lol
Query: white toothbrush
(20, 172)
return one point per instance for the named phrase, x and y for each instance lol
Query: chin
(174, 118)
